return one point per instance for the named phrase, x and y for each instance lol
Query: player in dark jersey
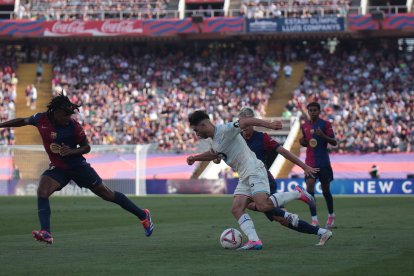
(65, 143)
(263, 146)
(317, 134)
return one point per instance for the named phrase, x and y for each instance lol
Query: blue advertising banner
(289, 25)
(338, 187)
(346, 186)
(221, 186)
(356, 186)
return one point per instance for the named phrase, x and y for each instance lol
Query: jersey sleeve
(269, 143)
(329, 130)
(79, 133)
(34, 119)
(229, 129)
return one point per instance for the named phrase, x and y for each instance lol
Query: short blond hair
(246, 112)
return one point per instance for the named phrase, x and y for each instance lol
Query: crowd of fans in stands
(368, 94)
(92, 9)
(289, 8)
(155, 9)
(134, 96)
(8, 92)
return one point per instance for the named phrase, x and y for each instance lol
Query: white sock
(279, 199)
(287, 214)
(321, 231)
(331, 215)
(247, 226)
(314, 217)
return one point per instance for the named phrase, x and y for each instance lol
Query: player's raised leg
(144, 215)
(323, 238)
(280, 199)
(86, 176)
(293, 222)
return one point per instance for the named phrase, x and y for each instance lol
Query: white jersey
(232, 149)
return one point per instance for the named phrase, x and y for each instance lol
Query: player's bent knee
(264, 207)
(237, 211)
(107, 196)
(43, 193)
(252, 206)
(104, 192)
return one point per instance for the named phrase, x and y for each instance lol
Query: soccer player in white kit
(229, 146)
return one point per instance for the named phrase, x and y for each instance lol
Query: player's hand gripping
(303, 142)
(65, 150)
(190, 160)
(320, 133)
(309, 171)
(276, 125)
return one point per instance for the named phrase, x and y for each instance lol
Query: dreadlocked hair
(61, 102)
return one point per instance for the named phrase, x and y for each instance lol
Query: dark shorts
(272, 183)
(325, 175)
(84, 176)
(273, 187)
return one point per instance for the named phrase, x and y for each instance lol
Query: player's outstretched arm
(309, 171)
(18, 122)
(205, 156)
(249, 121)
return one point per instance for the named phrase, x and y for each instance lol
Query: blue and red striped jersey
(54, 136)
(261, 144)
(317, 151)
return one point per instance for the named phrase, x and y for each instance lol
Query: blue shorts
(84, 176)
(273, 189)
(325, 175)
(272, 183)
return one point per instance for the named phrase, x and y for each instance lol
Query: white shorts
(253, 184)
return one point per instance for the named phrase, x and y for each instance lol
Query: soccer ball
(231, 238)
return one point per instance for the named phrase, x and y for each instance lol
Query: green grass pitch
(374, 236)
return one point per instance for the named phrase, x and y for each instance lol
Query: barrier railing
(387, 9)
(94, 15)
(305, 11)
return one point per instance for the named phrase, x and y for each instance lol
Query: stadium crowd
(133, 96)
(91, 9)
(155, 9)
(285, 8)
(366, 92)
(8, 92)
(139, 94)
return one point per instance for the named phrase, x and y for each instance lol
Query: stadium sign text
(93, 28)
(287, 25)
(356, 186)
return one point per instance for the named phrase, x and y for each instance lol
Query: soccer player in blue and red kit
(317, 134)
(264, 146)
(65, 143)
